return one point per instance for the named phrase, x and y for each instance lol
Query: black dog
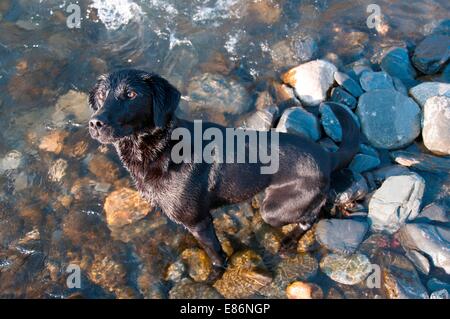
(134, 111)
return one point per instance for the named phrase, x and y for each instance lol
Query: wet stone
(422, 92)
(420, 261)
(198, 263)
(308, 242)
(341, 235)
(53, 142)
(298, 121)
(396, 63)
(311, 81)
(363, 162)
(440, 294)
(432, 53)
(57, 170)
(347, 187)
(71, 106)
(388, 118)
(261, 120)
(188, 289)
(395, 202)
(431, 240)
(400, 279)
(347, 270)
(436, 125)
(303, 290)
(244, 277)
(330, 122)
(348, 84)
(433, 213)
(175, 271)
(421, 161)
(341, 96)
(376, 81)
(103, 168)
(125, 206)
(381, 174)
(11, 160)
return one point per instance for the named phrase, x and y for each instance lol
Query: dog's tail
(350, 138)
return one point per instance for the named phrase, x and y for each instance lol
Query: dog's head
(129, 102)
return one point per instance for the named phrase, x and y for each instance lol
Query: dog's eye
(131, 94)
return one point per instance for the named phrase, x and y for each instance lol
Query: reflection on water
(54, 180)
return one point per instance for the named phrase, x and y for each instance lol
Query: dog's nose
(96, 123)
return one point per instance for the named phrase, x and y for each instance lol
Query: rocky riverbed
(65, 200)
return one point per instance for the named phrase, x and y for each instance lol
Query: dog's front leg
(206, 236)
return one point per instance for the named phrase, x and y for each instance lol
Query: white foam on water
(116, 13)
(220, 10)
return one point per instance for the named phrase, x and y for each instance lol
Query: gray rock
(376, 81)
(296, 120)
(305, 47)
(396, 63)
(311, 81)
(388, 118)
(347, 270)
(436, 125)
(435, 284)
(363, 162)
(422, 92)
(179, 63)
(440, 294)
(12, 160)
(215, 93)
(433, 213)
(420, 261)
(432, 53)
(396, 201)
(381, 174)
(341, 235)
(341, 96)
(348, 84)
(399, 86)
(330, 122)
(431, 240)
(261, 120)
(421, 161)
(368, 150)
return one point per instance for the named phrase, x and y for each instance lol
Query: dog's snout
(96, 123)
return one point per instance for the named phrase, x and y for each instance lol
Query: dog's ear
(165, 99)
(92, 101)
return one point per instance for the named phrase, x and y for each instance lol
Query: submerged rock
(341, 235)
(311, 81)
(434, 241)
(296, 120)
(125, 206)
(347, 270)
(381, 174)
(53, 142)
(400, 279)
(199, 265)
(212, 93)
(347, 187)
(420, 261)
(432, 53)
(388, 118)
(330, 122)
(57, 170)
(303, 290)
(422, 92)
(188, 289)
(395, 202)
(440, 294)
(376, 81)
(11, 160)
(71, 106)
(436, 125)
(244, 277)
(297, 267)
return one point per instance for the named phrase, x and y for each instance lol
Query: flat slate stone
(341, 235)
(348, 84)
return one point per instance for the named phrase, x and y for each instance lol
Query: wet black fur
(140, 130)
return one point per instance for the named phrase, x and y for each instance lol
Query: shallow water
(51, 209)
